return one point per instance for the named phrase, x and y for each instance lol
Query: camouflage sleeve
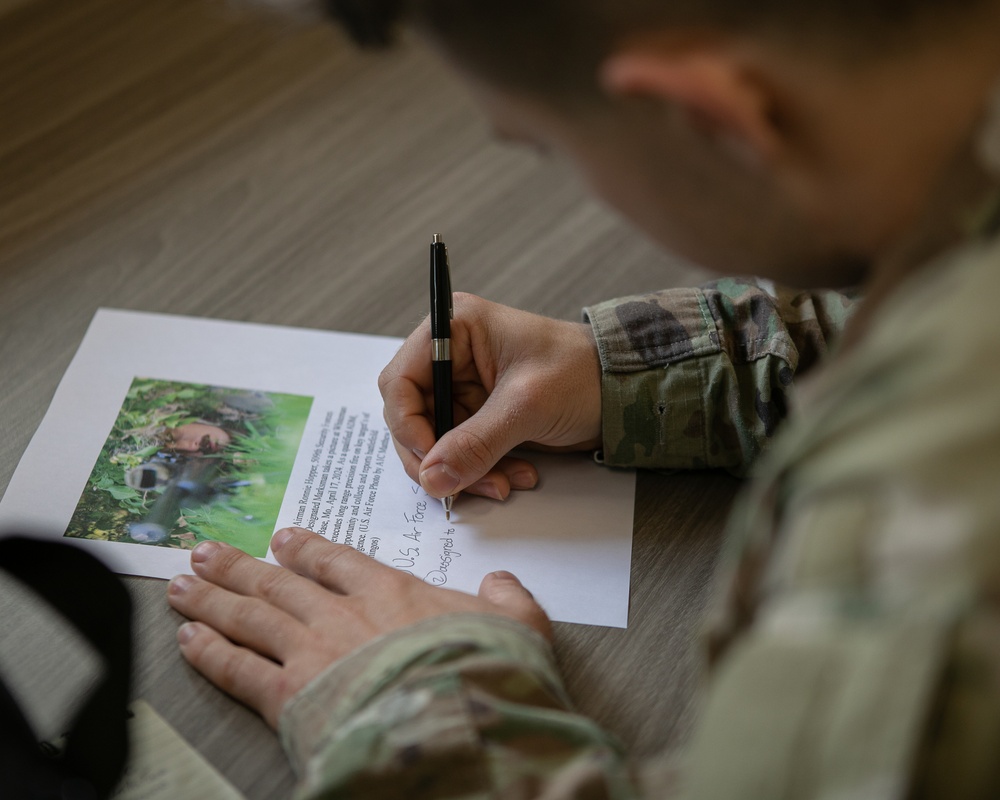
(698, 378)
(464, 706)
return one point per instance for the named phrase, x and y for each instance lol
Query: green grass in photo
(242, 477)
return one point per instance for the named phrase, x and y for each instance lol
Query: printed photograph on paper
(186, 463)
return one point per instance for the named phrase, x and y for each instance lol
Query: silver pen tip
(437, 238)
(446, 503)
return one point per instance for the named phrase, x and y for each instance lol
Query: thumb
(468, 452)
(504, 590)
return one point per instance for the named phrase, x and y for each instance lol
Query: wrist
(590, 380)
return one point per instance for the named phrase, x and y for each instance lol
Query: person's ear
(710, 82)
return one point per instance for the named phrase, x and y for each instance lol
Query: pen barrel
(440, 292)
(443, 409)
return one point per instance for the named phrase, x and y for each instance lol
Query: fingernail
(419, 453)
(179, 584)
(524, 480)
(186, 632)
(205, 551)
(509, 577)
(439, 480)
(486, 489)
(279, 539)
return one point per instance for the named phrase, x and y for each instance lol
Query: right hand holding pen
(518, 378)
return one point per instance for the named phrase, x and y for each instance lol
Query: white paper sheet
(569, 540)
(163, 766)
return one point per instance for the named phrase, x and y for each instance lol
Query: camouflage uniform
(856, 637)
(696, 378)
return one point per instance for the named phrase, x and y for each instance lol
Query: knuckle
(231, 669)
(332, 557)
(224, 563)
(408, 433)
(195, 650)
(475, 453)
(258, 619)
(273, 583)
(386, 376)
(292, 549)
(465, 299)
(203, 595)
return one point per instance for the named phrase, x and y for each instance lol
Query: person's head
(196, 437)
(766, 136)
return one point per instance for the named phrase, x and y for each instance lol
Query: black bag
(96, 602)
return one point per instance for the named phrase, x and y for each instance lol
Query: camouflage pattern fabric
(697, 378)
(465, 706)
(857, 630)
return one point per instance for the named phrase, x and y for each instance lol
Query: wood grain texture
(176, 156)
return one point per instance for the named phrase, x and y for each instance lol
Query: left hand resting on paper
(261, 632)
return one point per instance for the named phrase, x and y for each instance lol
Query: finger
(408, 414)
(493, 486)
(404, 384)
(248, 621)
(506, 592)
(337, 567)
(509, 473)
(467, 453)
(519, 472)
(410, 459)
(250, 678)
(232, 569)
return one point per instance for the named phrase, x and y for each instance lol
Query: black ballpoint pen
(442, 311)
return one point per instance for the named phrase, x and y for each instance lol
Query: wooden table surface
(180, 156)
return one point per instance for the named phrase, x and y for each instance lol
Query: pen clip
(451, 297)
